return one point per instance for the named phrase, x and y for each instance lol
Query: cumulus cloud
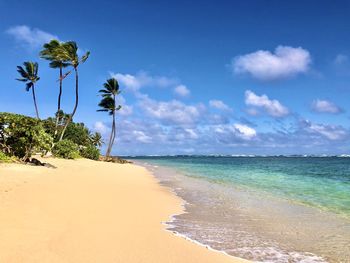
(220, 105)
(331, 132)
(264, 65)
(100, 127)
(244, 131)
(32, 37)
(233, 134)
(325, 106)
(142, 79)
(140, 136)
(172, 112)
(271, 107)
(182, 91)
(126, 109)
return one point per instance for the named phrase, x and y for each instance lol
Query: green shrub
(66, 149)
(77, 133)
(20, 136)
(90, 152)
(4, 158)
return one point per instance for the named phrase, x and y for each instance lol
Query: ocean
(265, 209)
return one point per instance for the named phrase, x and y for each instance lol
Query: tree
(108, 104)
(53, 51)
(96, 139)
(20, 136)
(69, 53)
(29, 74)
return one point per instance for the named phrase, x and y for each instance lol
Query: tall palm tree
(108, 104)
(52, 52)
(69, 53)
(29, 74)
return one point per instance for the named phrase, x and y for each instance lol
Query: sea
(264, 209)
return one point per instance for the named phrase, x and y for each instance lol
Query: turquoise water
(265, 209)
(319, 182)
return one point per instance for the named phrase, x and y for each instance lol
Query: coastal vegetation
(22, 136)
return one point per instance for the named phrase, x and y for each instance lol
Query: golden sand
(86, 211)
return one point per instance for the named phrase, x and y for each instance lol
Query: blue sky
(219, 77)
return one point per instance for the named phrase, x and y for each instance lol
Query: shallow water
(263, 209)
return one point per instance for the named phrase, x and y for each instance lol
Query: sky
(208, 77)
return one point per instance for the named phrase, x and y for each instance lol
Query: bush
(90, 152)
(4, 158)
(66, 149)
(20, 136)
(78, 133)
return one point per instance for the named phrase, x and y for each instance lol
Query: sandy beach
(89, 211)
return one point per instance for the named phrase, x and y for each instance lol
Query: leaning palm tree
(29, 74)
(108, 104)
(69, 53)
(52, 51)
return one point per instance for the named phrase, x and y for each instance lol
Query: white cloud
(220, 105)
(233, 133)
(191, 133)
(126, 110)
(182, 91)
(325, 106)
(33, 37)
(272, 107)
(265, 65)
(252, 111)
(172, 112)
(100, 127)
(244, 131)
(140, 136)
(142, 79)
(331, 132)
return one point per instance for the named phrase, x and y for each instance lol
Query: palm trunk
(108, 152)
(111, 140)
(112, 137)
(59, 103)
(114, 128)
(76, 103)
(34, 98)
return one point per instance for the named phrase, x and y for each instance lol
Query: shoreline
(168, 224)
(275, 234)
(88, 211)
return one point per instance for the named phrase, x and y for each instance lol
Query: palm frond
(24, 80)
(29, 72)
(85, 57)
(103, 91)
(22, 72)
(29, 85)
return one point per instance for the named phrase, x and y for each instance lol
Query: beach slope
(88, 211)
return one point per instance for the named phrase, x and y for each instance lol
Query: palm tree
(69, 53)
(29, 74)
(108, 104)
(52, 52)
(96, 139)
